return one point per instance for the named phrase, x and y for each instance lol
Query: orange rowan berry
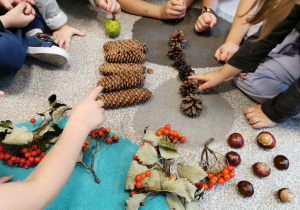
(88, 143)
(171, 176)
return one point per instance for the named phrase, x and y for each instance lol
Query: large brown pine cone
(192, 105)
(175, 52)
(124, 56)
(185, 71)
(122, 81)
(187, 87)
(125, 97)
(126, 43)
(117, 68)
(177, 37)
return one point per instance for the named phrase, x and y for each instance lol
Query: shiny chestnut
(285, 195)
(236, 140)
(233, 158)
(281, 162)
(266, 140)
(245, 188)
(261, 169)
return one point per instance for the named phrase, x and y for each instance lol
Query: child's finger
(100, 103)
(30, 2)
(206, 18)
(7, 5)
(118, 9)
(177, 8)
(67, 44)
(176, 2)
(174, 13)
(223, 56)
(213, 22)
(218, 53)
(198, 27)
(95, 92)
(109, 5)
(5, 179)
(78, 32)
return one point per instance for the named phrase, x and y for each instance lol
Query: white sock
(34, 31)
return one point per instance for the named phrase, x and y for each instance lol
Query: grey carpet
(200, 47)
(28, 90)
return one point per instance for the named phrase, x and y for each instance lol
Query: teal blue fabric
(81, 191)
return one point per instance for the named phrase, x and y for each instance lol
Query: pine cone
(184, 72)
(124, 56)
(192, 105)
(187, 87)
(178, 37)
(125, 97)
(178, 62)
(117, 68)
(122, 81)
(126, 43)
(175, 52)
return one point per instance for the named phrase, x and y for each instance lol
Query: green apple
(112, 27)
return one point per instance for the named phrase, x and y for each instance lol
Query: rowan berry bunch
(138, 179)
(22, 157)
(99, 136)
(172, 136)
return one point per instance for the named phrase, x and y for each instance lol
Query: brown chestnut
(285, 195)
(233, 158)
(245, 188)
(266, 140)
(281, 162)
(261, 169)
(236, 140)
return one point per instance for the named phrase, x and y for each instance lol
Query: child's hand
(63, 35)
(257, 118)
(89, 112)
(18, 17)
(9, 4)
(5, 179)
(225, 52)
(209, 79)
(204, 21)
(173, 9)
(111, 6)
(2, 93)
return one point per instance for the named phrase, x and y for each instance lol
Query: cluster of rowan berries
(102, 133)
(28, 156)
(173, 136)
(220, 176)
(138, 179)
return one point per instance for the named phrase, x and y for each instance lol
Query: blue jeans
(14, 44)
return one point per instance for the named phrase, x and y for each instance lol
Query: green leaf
(174, 202)
(18, 136)
(133, 203)
(57, 105)
(155, 179)
(192, 206)
(168, 153)
(135, 169)
(52, 100)
(6, 124)
(147, 154)
(58, 113)
(193, 172)
(181, 187)
(165, 143)
(151, 137)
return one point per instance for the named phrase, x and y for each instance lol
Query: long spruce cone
(178, 62)
(125, 97)
(124, 56)
(184, 72)
(122, 81)
(187, 87)
(126, 43)
(192, 105)
(117, 68)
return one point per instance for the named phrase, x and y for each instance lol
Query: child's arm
(237, 32)
(171, 10)
(51, 174)
(207, 19)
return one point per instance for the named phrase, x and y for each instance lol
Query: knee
(12, 55)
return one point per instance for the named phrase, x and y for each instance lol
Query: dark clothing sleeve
(250, 53)
(285, 105)
(2, 29)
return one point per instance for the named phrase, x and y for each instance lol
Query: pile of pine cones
(123, 74)
(192, 103)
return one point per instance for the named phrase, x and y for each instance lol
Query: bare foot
(5, 179)
(257, 118)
